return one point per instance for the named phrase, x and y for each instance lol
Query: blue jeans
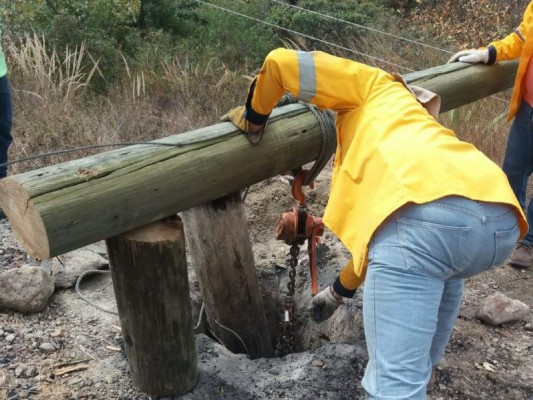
(518, 161)
(418, 260)
(6, 118)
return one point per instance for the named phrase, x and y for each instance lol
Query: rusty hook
(297, 184)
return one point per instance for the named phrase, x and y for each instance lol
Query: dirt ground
(481, 362)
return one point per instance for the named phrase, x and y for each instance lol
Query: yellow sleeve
(348, 279)
(324, 80)
(511, 46)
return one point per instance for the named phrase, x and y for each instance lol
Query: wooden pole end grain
(25, 218)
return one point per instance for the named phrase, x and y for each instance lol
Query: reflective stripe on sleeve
(522, 38)
(307, 69)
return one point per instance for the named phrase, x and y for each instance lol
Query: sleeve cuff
(251, 115)
(341, 290)
(492, 55)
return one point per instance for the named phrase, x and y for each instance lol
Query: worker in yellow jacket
(518, 160)
(418, 209)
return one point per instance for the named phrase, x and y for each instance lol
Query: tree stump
(149, 270)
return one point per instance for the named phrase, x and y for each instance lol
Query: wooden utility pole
(63, 207)
(222, 256)
(149, 270)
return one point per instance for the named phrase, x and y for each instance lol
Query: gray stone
(25, 289)
(499, 309)
(73, 264)
(31, 372)
(47, 348)
(19, 370)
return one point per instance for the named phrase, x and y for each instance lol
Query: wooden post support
(221, 251)
(149, 270)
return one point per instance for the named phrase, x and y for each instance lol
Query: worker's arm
(326, 302)
(511, 46)
(508, 48)
(324, 80)
(347, 282)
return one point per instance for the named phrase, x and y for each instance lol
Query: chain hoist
(294, 228)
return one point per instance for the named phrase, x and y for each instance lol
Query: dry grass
(54, 111)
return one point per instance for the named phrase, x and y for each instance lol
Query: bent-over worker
(418, 209)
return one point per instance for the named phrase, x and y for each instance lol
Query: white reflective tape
(286, 316)
(307, 68)
(522, 38)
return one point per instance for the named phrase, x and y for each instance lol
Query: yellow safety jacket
(390, 150)
(517, 44)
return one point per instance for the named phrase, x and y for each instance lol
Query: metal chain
(286, 340)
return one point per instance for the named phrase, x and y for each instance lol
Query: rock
(19, 370)
(25, 289)
(47, 348)
(73, 264)
(499, 309)
(10, 338)
(317, 363)
(31, 372)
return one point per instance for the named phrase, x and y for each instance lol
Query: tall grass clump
(55, 108)
(46, 86)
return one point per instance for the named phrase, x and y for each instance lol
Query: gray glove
(324, 304)
(471, 56)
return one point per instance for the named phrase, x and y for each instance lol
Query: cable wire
(85, 298)
(99, 146)
(305, 35)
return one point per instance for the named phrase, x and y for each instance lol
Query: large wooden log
(222, 255)
(64, 207)
(67, 206)
(149, 270)
(458, 84)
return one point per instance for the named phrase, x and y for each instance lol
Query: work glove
(471, 56)
(324, 304)
(237, 116)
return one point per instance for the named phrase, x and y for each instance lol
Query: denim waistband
(474, 207)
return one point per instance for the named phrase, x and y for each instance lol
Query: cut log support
(222, 255)
(61, 208)
(149, 270)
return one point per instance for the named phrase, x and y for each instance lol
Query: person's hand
(237, 117)
(471, 56)
(324, 304)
